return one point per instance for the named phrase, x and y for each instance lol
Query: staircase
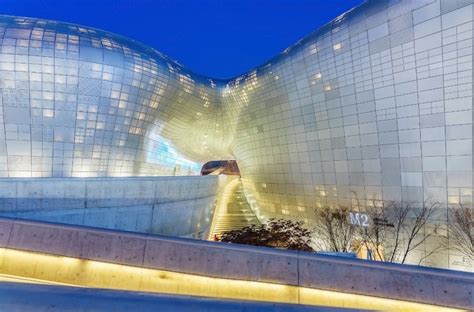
(232, 211)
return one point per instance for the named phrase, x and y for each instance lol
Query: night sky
(216, 38)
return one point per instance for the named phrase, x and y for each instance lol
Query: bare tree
(375, 236)
(461, 230)
(333, 231)
(397, 229)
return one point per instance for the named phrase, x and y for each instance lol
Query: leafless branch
(461, 230)
(333, 230)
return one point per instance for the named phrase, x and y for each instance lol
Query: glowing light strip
(26, 280)
(95, 274)
(222, 202)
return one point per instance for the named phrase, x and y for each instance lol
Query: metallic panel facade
(376, 104)
(82, 102)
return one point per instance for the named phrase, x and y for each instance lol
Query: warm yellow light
(220, 212)
(49, 113)
(32, 267)
(453, 199)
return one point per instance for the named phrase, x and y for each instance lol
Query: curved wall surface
(83, 102)
(376, 104)
(176, 206)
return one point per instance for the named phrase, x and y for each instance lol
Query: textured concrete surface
(178, 206)
(45, 298)
(418, 284)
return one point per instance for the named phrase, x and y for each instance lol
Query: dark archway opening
(215, 167)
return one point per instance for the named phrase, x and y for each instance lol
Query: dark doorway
(228, 167)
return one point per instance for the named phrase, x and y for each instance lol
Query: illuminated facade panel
(377, 104)
(82, 102)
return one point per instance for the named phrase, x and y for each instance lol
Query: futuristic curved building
(377, 104)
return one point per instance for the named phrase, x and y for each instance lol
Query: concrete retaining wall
(418, 284)
(179, 206)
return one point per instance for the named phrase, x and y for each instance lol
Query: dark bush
(283, 234)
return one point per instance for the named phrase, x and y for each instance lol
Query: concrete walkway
(16, 297)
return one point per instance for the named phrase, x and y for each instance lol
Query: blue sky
(216, 38)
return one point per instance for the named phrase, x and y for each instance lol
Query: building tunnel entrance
(232, 208)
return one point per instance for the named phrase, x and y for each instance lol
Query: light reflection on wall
(163, 154)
